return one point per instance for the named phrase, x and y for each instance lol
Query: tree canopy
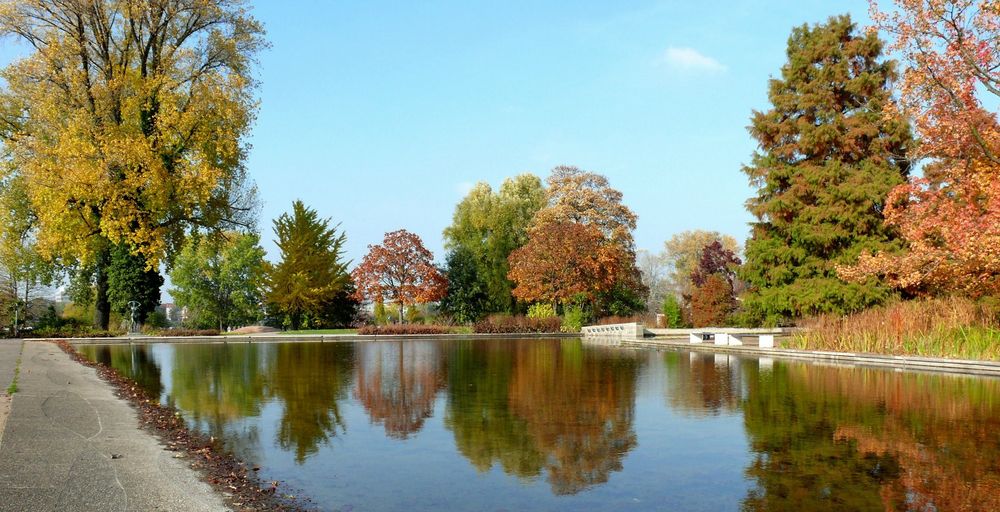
(563, 261)
(581, 197)
(220, 280)
(830, 149)
(683, 253)
(311, 271)
(466, 300)
(127, 121)
(487, 226)
(950, 217)
(399, 270)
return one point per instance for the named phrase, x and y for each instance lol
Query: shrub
(673, 318)
(507, 324)
(156, 320)
(541, 310)
(380, 330)
(573, 319)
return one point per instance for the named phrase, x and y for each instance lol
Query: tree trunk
(102, 307)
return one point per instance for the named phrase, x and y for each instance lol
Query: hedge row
(505, 324)
(403, 329)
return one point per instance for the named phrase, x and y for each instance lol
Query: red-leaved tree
(400, 270)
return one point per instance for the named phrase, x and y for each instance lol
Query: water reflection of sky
(563, 425)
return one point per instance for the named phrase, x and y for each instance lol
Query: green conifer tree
(129, 280)
(830, 149)
(311, 271)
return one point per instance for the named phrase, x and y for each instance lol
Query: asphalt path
(69, 444)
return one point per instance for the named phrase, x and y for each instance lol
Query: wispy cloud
(689, 59)
(464, 188)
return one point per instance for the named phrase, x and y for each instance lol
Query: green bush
(573, 319)
(381, 316)
(672, 313)
(541, 310)
(156, 320)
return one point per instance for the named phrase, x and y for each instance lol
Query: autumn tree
(716, 260)
(220, 279)
(564, 260)
(126, 122)
(683, 254)
(713, 298)
(581, 197)
(830, 149)
(486, 227)
(311, 272)
(950, 216)
(399, 270)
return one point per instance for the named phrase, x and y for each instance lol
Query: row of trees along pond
(871, 184)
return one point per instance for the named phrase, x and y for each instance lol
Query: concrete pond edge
(930, 364)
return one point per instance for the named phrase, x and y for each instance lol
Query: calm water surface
(567, 425)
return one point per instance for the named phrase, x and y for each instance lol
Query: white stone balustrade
(629, 330)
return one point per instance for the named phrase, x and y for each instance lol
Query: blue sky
(381, 115)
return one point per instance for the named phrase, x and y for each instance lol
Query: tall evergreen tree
(311, 271)
(830, 150)
(129, 280)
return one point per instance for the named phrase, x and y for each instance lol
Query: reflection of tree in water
(397, 383)
(701, 383)
(218, 385)
(862, 439)
(309, 379)
(136, 362)
(579, 406)
(553, 406)
(486, 429)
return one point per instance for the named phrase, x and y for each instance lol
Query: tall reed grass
(946, 327)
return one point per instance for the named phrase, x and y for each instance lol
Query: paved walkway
(9, 349)
(70, 444)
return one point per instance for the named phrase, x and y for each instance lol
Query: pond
(569, 425)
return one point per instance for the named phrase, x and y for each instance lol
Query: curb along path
(70, 444)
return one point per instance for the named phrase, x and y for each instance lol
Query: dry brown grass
(944, 327)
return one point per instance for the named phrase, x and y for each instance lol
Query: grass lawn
(320, 331)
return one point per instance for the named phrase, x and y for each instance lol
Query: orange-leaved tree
(563, 260)
(400, 270)
(950, 217)
(584, 197)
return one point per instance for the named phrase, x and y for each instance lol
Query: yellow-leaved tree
(126, 121)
